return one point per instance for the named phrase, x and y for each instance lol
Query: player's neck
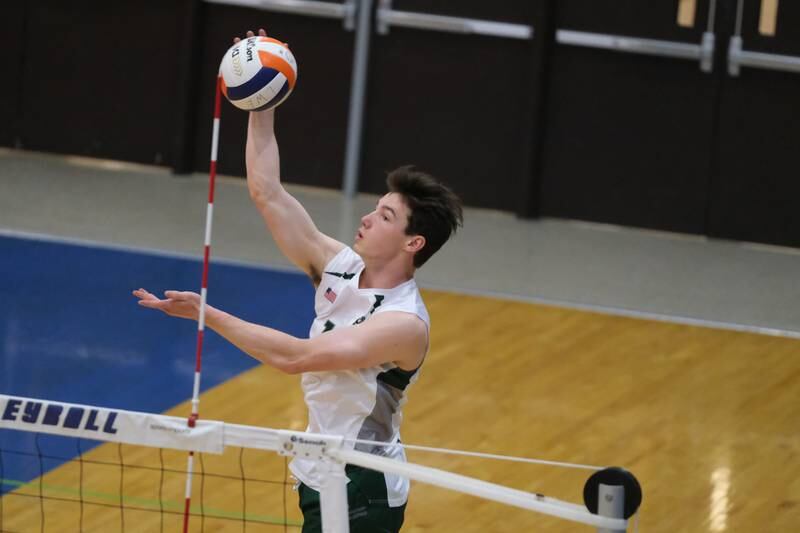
(387, 275)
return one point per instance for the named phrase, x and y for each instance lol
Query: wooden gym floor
(707, 419)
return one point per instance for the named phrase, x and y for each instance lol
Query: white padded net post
(333, 499)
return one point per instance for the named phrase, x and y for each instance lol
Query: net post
(333, 498)
(611, 503)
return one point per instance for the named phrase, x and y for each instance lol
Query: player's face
(382, 232)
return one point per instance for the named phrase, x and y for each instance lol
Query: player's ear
(415, 244)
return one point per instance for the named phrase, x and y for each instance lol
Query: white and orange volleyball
(258, 73)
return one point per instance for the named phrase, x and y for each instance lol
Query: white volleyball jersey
(364, 403)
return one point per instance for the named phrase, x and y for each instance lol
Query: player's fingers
(181, 296)
(262, 32)
(236, 40)
(250, 33)
(142, 293)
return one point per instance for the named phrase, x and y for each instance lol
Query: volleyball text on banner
(113, 425)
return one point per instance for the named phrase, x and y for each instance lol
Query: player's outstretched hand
(176, 303)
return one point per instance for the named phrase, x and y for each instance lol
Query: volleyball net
(70, 467)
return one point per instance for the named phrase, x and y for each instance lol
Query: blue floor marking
(71, 331)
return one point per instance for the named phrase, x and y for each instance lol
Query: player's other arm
(290, 224)
(392, 336)
(397, 337)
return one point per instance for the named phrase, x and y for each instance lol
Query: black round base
(613, 475)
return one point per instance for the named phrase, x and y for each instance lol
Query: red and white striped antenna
(201, 321)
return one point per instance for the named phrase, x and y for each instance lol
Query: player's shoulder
(408, 334)
(343, 259)
(331, 252)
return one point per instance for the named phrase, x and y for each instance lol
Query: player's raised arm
(291, 226)
(287, 220)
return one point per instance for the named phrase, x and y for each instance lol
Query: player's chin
(362, 248)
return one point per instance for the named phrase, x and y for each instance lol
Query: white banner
(112, 425)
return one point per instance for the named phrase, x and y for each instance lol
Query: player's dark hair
(436, 211)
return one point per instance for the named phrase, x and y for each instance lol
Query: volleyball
(258, 73)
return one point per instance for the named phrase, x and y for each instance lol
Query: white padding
(109, 425)
(333, 499)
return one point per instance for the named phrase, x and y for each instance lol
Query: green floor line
(209, 512)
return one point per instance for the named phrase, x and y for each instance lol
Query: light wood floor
(706, 419)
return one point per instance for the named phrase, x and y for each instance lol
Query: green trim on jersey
(343, 275)
(397, 377)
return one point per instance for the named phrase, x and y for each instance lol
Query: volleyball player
(371, 330)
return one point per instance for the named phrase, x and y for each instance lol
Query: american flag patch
(330, 295)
